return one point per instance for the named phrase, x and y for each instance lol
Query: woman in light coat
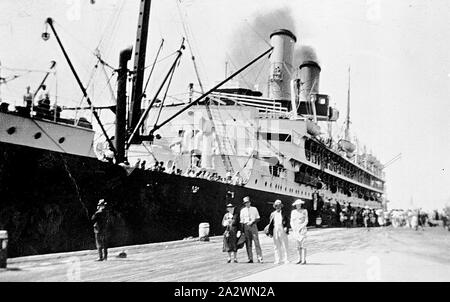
(299, 221)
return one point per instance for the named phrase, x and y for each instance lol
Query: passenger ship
(217, 147)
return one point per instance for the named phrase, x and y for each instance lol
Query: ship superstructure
(272, 143)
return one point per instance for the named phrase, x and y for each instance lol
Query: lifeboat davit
(347, 146)
(312, 128)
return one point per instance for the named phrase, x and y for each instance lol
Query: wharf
(381, 254)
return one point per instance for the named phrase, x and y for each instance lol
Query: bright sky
(398, 52)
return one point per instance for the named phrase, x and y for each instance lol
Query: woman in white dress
(299, 220)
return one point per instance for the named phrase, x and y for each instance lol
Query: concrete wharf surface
(380, 254)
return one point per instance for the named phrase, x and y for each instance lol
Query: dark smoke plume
(303, 54)
(251, 39)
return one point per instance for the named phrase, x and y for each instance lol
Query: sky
(398, 52)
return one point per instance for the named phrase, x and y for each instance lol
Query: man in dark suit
(100, 221)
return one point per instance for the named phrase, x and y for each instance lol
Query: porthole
(265, 183)
(61, 140)
(38, 135)
(256, 181)
(11, 130)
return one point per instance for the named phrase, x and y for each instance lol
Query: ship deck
(333, 255)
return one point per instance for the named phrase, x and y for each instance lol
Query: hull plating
(47, 199)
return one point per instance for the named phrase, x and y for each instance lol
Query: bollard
(318, 221)
(3, 248)
(203, 231)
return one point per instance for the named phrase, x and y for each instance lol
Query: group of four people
(242, 227)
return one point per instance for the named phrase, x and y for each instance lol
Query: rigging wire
(257, 33)
(240, 75)
(160, 60)
(151, 70)
(190, 47)
(260, 71)
(114, 19)
(164, 98)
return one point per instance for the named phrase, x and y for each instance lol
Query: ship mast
(139, 64)
(347, 126)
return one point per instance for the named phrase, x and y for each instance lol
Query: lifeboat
(312, 128)
(347, 146)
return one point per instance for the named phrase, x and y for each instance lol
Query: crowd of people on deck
(193, 171)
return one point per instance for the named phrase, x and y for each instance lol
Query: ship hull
(47, 199)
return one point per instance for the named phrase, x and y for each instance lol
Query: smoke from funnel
(304, 54)
(250, 39)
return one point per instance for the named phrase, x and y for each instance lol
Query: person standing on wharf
(279, 230)
(249, 216)
(100, 220)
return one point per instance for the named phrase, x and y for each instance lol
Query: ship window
(256, 181)
(282, 137)
(61, 140)
(11, 130)
(38, 135)
(265, 183)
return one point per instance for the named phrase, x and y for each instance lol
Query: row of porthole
(291, 190)
(37, 135)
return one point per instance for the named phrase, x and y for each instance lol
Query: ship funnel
(281, 59)
(309, 78)
(121, 107)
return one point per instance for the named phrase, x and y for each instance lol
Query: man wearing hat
(249, 216)
(279, 229)
(100, 220)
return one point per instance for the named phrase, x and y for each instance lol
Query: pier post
(203, 231)
(3, 248)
